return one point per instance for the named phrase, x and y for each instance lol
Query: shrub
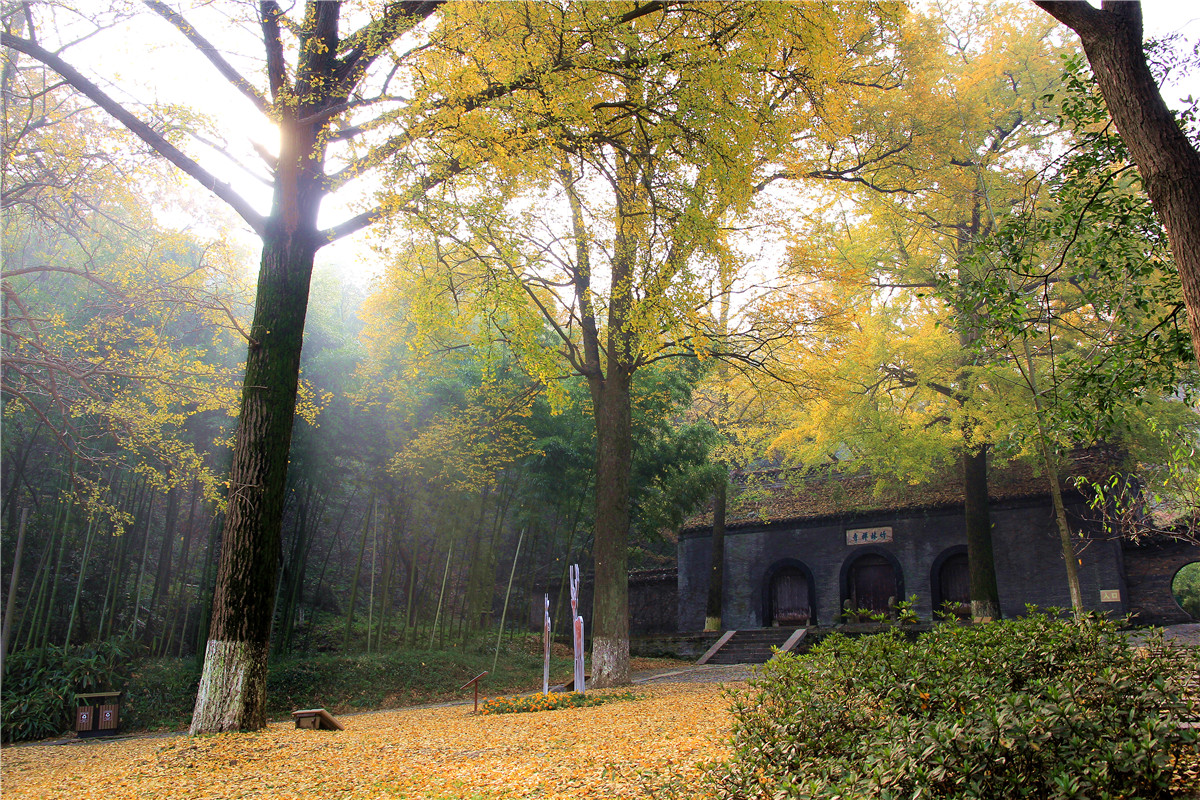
(40, 686)
(550, 701)
(1036, 707)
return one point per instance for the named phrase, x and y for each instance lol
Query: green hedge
(1038, 707)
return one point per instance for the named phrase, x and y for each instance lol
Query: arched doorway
(789, 599)
(950, 584)
(872, 583)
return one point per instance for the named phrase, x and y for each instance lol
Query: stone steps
(750, 646)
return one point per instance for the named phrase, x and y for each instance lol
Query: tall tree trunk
(610, 603)
(437, 615)
(333, 541)
(292, 577)
(39, 590)
(1167, 161)
(233, 688)
(179, 597)
(1065, 539)
(133, 500)
(46, 622)
(609, 373)
(145, 519)
(716, 570)
(29, 610)
(1070, 558)
(981, 566)
(83, 564)
(116, 551)
(985, 596)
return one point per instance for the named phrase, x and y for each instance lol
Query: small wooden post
(475, 681)
(578, 629)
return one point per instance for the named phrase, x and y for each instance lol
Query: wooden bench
(316, 719)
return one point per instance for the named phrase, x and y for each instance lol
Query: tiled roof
(784, 495)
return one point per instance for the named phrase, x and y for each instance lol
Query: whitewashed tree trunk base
(233, 688)
(610, 662)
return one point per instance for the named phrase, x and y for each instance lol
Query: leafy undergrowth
(440, 752)
(551, 701)
(160, 694)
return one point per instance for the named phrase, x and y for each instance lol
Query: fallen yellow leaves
(443, 752)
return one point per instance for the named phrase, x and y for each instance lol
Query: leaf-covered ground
(415, 753)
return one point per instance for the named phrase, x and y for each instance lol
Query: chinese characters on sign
(869, 535)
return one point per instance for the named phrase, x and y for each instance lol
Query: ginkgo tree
(609, 225)
(1083, 307)
(99, 297)
(118, 372)
(955, 143)
(340, 100)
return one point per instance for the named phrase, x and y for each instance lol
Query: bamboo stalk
(504, 612)
(10, 604)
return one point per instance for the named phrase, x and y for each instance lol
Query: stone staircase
(752, 646)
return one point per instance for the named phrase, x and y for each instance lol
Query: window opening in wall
(1186, 589)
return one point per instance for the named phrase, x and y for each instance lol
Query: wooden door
(873, 584)
(954, 585)
(789, 597)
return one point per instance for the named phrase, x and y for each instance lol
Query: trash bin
(97, 713)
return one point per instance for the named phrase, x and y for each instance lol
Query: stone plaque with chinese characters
(869, 535)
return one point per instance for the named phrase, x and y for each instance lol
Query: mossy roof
(791, 495)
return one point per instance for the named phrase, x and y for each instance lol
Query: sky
(146, 60)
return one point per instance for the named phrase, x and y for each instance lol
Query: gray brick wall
(1150, 566)
(1029, 563)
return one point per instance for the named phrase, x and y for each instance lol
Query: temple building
(828, 550)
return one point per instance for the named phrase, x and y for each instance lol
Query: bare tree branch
(139, 128)
(211, 53)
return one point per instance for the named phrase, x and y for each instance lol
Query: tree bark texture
(716, 571)
(610, 611)
(985, 596)
(1166, 160)
(232, 693)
